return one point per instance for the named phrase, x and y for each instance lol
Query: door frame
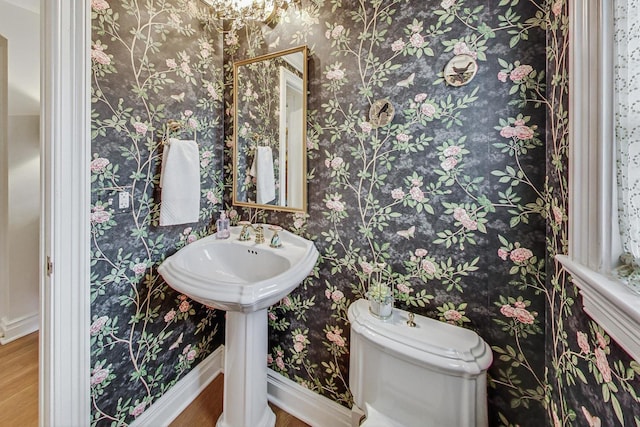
(65, 228)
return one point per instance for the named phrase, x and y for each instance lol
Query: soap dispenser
(222, 226)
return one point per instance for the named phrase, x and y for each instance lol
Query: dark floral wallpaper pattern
(460, 203)
(152, 63)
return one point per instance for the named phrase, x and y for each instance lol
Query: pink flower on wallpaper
(192, 123)
(508, 311)
(99, 5)
(416, 40)
(337, 31)
(211, 197)
(557, 8)
(518, 122)
(99, 164)
(298, 223)
(416, 194)
(192, 238)
(429, 267)
(233, 213)
(520, 255)
(335, 205)
(403, 288)
(366, 267)
(272, 316)
(397, 45)
(171, 63)
(601, 341)
(97, 55)
(184, 306)
(460, 213)
(186, 68)
(299, 338)
(280, 362)
(452, 315)
(298, 347)
(140, 128)
(397, 194)
(524, 132)
(337, 296)
(191, 355)
(420, 252)
(231, 39)
(99, 215)
(269, 359)
(520, 73)
(139, 268)
(335, 72)
(327, 293)
(420, 97)
(337, 162)
(403, 137)
(188, 113)
(449, 163)
(286, 302)
(98, 376)
(503, 254)
(366, 127)
(603, 365)
(447, 4)
(336, 337)
(583, 342)
(461, 48)
(557, 215)
(523, 316)
(508, 132)
(211, 90)
(138, 410)
(519, 304)
(428, 109)
(502, 76)
(170, 316)
(469, 224)
(452, 150)
(97, 325)
(187, 230)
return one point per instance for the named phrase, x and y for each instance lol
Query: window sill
(610, 303)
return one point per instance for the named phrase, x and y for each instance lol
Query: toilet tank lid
(432, 342)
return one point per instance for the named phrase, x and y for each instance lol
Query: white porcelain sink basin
(240, 276)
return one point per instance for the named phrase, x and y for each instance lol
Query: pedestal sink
(244, 279)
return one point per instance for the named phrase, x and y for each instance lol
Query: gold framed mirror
(270, 131)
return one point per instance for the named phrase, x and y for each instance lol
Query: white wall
(20, 199)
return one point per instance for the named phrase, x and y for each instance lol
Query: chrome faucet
(246, 235)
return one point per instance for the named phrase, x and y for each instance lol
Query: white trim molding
(594, 243)
(304, 404)
(11, 330)
(65, 144)
(166, 409)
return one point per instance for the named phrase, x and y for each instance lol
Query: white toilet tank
(431, 375)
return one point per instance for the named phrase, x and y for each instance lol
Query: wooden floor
(19, 392)
(19, 382)
(205, 410)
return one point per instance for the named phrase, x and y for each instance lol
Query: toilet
(429, 375)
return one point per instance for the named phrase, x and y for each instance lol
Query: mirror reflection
(270, 96)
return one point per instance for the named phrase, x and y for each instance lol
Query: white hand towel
(265, 178)
(180, 182)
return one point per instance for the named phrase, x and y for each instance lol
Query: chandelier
(238, 12)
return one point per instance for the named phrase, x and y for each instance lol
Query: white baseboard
(164, 410)
(304, 404)
(11, 330)
(310, 407)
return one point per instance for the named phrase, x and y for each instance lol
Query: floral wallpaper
(460, 203)
(152, 62)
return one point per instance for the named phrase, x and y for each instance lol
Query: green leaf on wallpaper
(617, 409)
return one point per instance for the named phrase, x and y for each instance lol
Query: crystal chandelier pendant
(241, 11)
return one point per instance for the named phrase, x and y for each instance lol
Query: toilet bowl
(430, 375)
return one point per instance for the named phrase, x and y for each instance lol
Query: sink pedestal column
(245, 371)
